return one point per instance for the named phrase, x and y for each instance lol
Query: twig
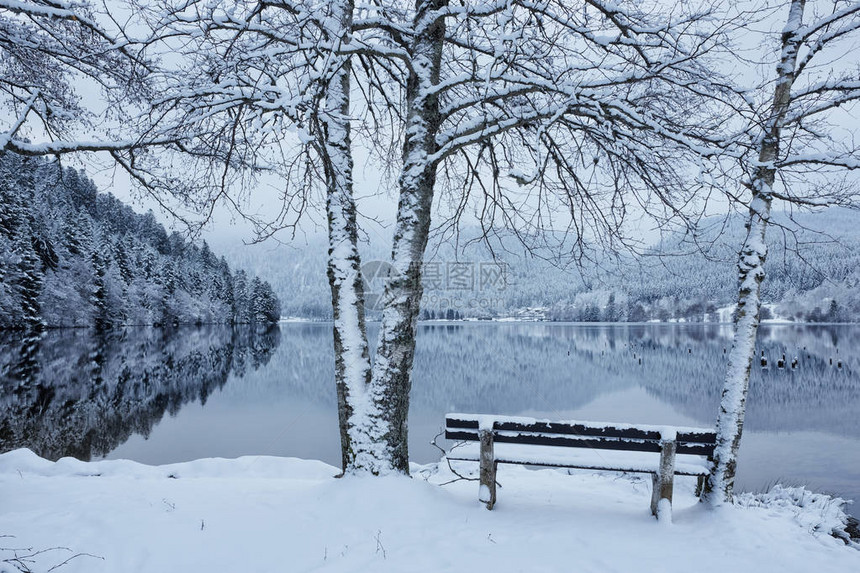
(459, 477)
(23, 558)
(379, 546)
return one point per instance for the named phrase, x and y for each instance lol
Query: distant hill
(296, 271)
(813, 270)
(73, 256)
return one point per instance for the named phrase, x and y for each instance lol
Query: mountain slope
(814, 260)
(73, 256)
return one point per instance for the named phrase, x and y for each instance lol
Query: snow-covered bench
(658, 450)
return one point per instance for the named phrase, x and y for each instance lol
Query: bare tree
(262, 91)
(594, 90)
(48, 49)
(356, 412)
(603, 103)
(797, 157)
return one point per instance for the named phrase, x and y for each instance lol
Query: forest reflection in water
(81, 393)
(272, 393)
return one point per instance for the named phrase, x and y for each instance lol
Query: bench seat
(588, 459)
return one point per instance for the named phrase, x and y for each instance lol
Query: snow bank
(815, 512)
(262, 514)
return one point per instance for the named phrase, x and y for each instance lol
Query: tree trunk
(730, 421)
(733, 400)
(392, 369)
(356, 417)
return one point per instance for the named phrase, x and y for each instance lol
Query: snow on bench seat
(498, 422)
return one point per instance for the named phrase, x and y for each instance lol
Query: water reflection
(801, 423)
(233, 393)
(75, 392)
(511, 368)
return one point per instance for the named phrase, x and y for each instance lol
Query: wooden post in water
(487, 492)
(664, 480)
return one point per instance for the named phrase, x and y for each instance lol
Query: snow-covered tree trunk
(392, 369)
(751, 271)
(359, 445)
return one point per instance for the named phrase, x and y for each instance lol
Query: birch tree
(357, 415)
(592, 89)
(797, 156)
(258, 92)
(592, 92)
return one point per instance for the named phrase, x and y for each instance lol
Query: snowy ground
(287, 515)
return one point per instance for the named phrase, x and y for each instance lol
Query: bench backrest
(572, 434)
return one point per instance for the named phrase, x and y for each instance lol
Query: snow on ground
(266, 514)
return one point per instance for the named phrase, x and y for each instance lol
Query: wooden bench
(660, 451)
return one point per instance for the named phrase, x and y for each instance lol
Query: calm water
(164, 396)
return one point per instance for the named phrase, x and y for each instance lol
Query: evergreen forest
(72, 256)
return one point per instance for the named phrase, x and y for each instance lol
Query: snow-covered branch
(49, 48)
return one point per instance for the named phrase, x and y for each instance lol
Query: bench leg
(700, 486)
(655, 493)
(664, 481)
(487, 491)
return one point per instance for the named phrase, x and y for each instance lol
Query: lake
(160, 396)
